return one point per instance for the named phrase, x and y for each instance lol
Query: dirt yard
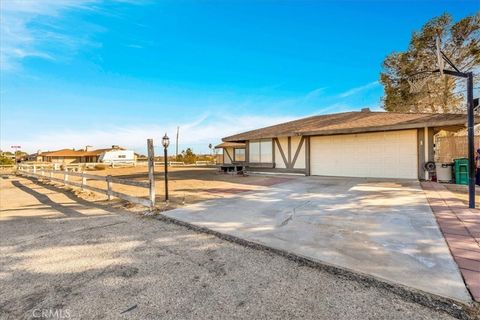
(64, 256)
(186, 185)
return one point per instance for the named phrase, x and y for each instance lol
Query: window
(122, 156)
(239, 155)
(260, 151)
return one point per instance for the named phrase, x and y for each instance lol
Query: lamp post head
(210, 146)
(165, 141)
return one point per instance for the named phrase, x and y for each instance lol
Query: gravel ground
(61, 254)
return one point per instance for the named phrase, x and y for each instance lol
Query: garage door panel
(383, 154)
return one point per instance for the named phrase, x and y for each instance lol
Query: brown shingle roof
(77, 153)
(70, 153)
(230, 144)
(352, 122)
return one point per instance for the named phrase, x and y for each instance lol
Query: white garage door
(391, 154)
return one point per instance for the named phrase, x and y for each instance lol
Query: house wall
(228, 155)
(298, 150)
(290, 153)
(293, 154)
(387, 154)
(117, 156)
(281, 147)
(425, 150)
(65, 160)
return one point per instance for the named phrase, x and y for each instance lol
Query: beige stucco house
(87, 155)
(352, 144)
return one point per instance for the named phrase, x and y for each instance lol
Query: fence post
(84, 180)
(109, 187)
(151, 175)
(34, 169)
(65, 176)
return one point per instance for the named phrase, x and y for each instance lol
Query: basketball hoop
(418, 81)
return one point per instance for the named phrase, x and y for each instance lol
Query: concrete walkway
(380, 228)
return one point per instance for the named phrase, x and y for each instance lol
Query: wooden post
(151, 176)
(109, 187)
(307, 156)
(65, 176)
(34, 169)
(84, 180)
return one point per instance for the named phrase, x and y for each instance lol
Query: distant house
(115, 154)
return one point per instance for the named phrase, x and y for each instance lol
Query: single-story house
(70, 156)
(88, 155)
(351, 144)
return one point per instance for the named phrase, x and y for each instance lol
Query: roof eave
(430, 124)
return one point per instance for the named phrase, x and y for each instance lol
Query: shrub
(5, 161)
(100, 167)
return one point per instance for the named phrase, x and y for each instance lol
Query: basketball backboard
(440, 61)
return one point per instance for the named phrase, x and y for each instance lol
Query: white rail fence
(48, 172)
(7, 167)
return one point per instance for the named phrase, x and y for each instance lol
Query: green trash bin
(461, 171)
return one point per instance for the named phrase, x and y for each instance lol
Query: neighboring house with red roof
(87, 155)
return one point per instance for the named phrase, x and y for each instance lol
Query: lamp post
(165, 143)
(211, 151)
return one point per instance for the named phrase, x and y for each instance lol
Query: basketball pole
(442, 58)
(471, 145)
(470, 132)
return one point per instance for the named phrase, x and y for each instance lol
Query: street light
(165, 143)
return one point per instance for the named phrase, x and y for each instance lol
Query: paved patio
(461, 228)
(381, 228)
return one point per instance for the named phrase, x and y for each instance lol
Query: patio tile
(472, 265)
(472, 279)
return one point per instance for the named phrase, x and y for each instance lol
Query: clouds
(198, 133)
(359, 89)
(30, 29)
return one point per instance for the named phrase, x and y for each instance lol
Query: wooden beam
(281, 152)
(273, 153)
(300, 144)
(228, 154)
(289, 147)
(307, 156)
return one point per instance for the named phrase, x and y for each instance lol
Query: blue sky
(76, 73)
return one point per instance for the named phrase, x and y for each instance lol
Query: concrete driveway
(381, 228)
